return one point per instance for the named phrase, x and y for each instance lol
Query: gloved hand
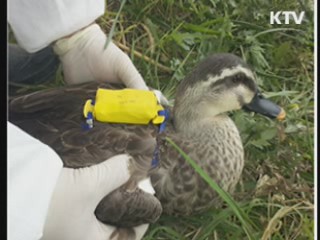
(76, 195)
(56, 202)
(84, 59)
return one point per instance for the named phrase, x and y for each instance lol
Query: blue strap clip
(89, 119)
(155, 159)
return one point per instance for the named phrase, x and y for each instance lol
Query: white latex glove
(77, 193)
(47, 200)
(84, 59)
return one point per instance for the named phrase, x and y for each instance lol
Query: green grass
(166, 38)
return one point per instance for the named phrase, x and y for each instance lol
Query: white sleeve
(33, 171)
(37, 23)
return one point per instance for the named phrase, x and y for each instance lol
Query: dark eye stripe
(232, 81)
(239, 77)
(217, 83)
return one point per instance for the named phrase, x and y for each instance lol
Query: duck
(199, 124)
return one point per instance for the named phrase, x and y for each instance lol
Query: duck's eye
(238, 78)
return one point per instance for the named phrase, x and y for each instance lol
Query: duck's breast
(217, 150)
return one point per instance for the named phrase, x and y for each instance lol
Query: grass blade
(109, 38)
(243, 218)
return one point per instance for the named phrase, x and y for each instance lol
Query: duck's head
(219, 84)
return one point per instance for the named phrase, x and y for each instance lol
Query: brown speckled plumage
(179, 188)
(200, 126)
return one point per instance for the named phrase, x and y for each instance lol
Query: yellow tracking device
(124, 106)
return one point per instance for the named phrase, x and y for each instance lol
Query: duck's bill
(263, 106)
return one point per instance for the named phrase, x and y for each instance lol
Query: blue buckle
(155, 159)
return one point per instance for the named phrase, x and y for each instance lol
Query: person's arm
(37, 24)
(69, 26)
(33, 170)
(47, 201)
(77, 40)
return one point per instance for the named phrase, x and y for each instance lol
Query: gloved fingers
(112, 64)
(106, 230)
(161, 98)
(126, 71)
(109, 174)
(141, 230)
(95, 182)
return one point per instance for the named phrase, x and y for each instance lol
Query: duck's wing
(140, 207)
(55, 117)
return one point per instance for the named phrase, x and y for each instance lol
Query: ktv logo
(287, 16)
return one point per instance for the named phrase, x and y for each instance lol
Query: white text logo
(287, 15)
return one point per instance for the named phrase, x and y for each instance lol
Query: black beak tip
(265, 107)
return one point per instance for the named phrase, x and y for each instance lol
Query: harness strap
(155, 159)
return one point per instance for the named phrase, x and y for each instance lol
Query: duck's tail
(123, 234)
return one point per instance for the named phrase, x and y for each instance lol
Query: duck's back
(55, 117)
